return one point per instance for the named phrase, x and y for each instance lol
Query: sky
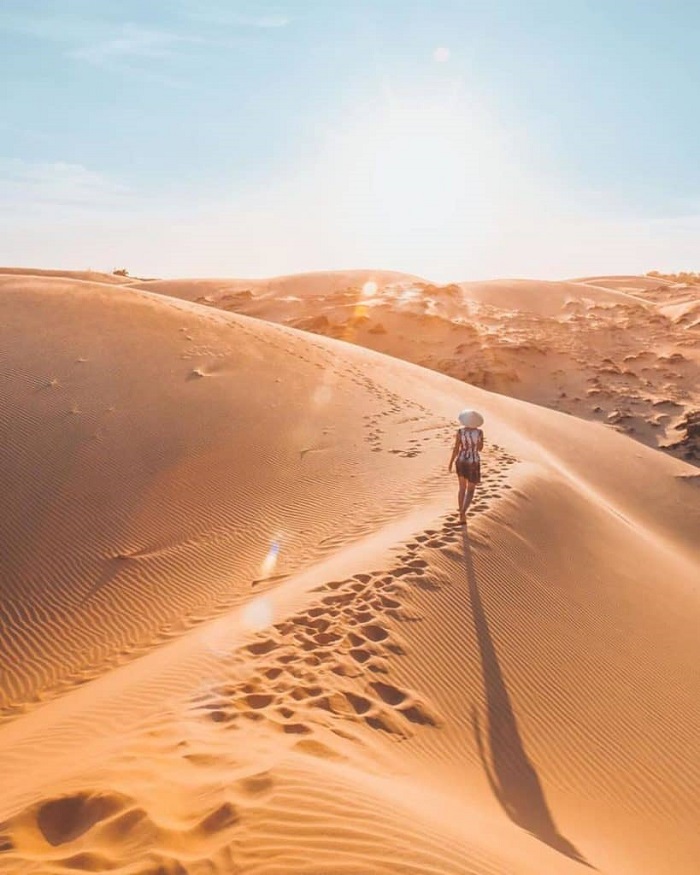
(452, 139)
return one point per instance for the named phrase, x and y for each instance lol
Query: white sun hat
(471, 419)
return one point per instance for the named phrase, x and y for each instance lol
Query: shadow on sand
(510, 773)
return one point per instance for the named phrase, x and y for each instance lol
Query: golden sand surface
(242, 632)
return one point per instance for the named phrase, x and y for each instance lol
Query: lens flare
(322, 395)
(257, 615)
(369, 289)
(269, 563)
(323, 392)
(359, 312)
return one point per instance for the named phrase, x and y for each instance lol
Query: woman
(468, 442)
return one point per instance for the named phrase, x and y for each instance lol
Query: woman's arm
(455, 452)
(480, 445)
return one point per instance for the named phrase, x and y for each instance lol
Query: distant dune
(631, 283)
(540, 296)
(242, 632)
(85, 275)
(626, 354)
(314, 283)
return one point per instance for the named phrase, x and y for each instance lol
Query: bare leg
(467, 499)
(460, 498)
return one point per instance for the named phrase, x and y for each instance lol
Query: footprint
(418, 714)
(387, 722)
(258, 648)
(296, 728)
(223, 817)
(315, 748)
(387, 693)
(360, 704)
(286, 712)
(259, 700)
(256, 785)
(375, 633)
(63, 820)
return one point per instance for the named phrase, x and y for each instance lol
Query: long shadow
(510, 772)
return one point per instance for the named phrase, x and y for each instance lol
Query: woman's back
(469, 440)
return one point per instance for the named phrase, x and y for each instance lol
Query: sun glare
(408, 295)
(369, 289)
(425, 169)
(426, 158)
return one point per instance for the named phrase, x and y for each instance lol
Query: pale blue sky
(452, 139)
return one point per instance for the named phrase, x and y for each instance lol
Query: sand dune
(315, 283)
(679, 302)
(120, 405)
(629, 359)
(542, 297)
(685, 313)
(333, 677)
(633, 283)
(94, 276)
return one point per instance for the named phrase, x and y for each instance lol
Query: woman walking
(469, 441)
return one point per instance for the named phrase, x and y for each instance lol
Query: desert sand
(622, 351)
(240, 630)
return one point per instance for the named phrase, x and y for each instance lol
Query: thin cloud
(229, 18)
(134, 49)
(26, 185)
(118, 47)
(132, 42)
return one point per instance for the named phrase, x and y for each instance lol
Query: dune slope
(412, 697)
(141, 439)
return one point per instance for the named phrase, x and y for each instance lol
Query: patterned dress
(468, 463)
